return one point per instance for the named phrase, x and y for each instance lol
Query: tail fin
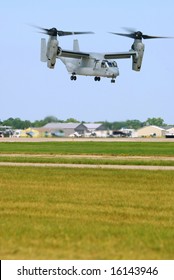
(43, 50)
(76, 46)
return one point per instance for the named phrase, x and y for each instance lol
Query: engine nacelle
(137, 46)
(51, 54)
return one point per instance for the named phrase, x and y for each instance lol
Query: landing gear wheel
(113, 81)
(73, 78)
(97, 79)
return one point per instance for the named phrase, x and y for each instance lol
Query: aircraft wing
(120, 55)
(79, 55)
(73, 54)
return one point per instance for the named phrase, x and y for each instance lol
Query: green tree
(46, 120)
(155, 121)
(50, 119)
(71, 120)
(8, 122)
(133, 124)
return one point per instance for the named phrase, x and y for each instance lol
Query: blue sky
(29, 90)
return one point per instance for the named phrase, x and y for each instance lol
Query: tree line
(17, 123)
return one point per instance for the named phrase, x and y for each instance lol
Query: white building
(150, 131)
(170, 130)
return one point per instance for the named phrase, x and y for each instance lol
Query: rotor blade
(155, 37)
(39, 27)
(54, 31)
(140, 35)
(133, 32)
(131, 35)
(66, 33)
(129, 29)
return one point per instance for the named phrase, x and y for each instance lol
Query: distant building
(150, 131)
(69, 129)
(55, 128)
(169, 132)
(92, 129)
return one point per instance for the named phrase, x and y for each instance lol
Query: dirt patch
(109, 157)
(86, 139)
(93, 166)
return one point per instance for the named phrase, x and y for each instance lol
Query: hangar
(150, 131)
(65, 128)
(68, 129)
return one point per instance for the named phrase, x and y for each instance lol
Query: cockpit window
(103, 64)
(106, 63)
(112, 63)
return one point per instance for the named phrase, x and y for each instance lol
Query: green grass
(58, 213)
(104, 148)
(63, 213)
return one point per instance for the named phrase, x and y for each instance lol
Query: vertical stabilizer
(43, 50)
(76, 46)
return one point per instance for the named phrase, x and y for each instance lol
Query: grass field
(63, 213)
(95, 148)
(89, 160)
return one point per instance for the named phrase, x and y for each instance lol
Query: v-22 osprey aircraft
(87, 63)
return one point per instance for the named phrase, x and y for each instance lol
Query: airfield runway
(114, 139)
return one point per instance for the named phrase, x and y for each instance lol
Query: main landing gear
(73, 77)
(97, 79)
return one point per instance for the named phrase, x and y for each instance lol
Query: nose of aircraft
(114, 72)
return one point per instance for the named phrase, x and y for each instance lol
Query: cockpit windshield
(112, 63)
(106, 64)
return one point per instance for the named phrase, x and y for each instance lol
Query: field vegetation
(64, 213)
(91, 148)
(88, 160)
